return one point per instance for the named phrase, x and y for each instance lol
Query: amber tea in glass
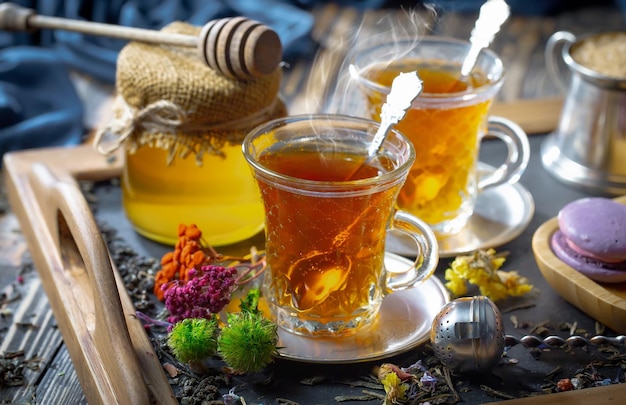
(327, 213)
(446, 124)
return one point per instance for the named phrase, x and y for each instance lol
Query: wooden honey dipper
(236, 47)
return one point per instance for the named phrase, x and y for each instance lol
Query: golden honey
(220, 196)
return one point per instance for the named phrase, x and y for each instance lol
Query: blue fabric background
(38, 103)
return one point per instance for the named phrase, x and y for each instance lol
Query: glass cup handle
(426, 260)
(553, 59)
(516, 142)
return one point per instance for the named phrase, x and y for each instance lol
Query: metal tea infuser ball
(467, 336)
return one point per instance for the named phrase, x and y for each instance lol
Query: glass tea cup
(446, 124)
(328, 209)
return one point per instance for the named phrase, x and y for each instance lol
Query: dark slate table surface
(521, 47)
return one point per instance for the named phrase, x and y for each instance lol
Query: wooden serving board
(110, 350)
(114, 359)
(604, 302)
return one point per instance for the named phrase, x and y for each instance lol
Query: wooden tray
(604, 302)
(110, 350)
(114, 359)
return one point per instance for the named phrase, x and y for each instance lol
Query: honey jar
(181, 125)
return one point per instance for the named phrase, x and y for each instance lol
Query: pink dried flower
(206, 293)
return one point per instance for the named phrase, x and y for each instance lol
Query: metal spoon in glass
(404, 89)
(493, 13)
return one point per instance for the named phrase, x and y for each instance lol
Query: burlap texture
(215, 109)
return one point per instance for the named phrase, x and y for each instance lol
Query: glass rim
(355, 71)
(360, 124)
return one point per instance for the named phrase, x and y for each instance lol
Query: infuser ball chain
(572, 341)
(467, 335)
(237, 47)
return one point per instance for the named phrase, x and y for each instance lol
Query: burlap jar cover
(167, 98)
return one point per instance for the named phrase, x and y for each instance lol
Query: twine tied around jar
(152, 124)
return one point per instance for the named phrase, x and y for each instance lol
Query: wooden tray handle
(98, 339)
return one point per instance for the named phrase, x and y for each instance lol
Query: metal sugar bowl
(588, 149)
(467, 335)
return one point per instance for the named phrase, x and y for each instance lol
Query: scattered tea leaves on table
(190, 388)
(12, 367)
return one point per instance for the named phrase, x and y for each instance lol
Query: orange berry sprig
(188, 253)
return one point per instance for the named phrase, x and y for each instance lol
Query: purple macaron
(592, 238)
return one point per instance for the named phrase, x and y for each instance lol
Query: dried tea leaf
(316, 379)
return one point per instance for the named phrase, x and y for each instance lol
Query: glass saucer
(501, 215)
(403, 323)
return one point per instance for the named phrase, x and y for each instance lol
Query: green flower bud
(193, 339)
(248, 342)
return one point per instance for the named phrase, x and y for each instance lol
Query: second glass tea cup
(446, 124)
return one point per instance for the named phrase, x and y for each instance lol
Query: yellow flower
(395, 389)
(478, 277)
(460, 265)
(456, 283)
(481, 268)
(516, 285)
(495, 291)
